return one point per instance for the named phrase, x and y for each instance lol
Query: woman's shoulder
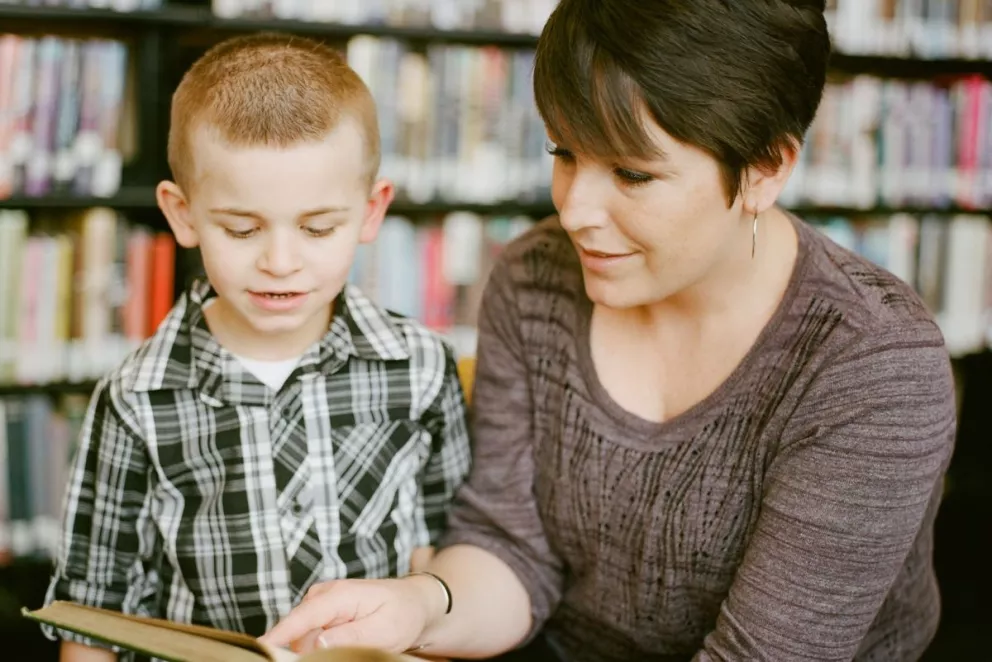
(864, 297)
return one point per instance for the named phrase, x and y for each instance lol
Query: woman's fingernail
(320, 642)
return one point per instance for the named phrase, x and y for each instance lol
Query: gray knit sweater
(788, 516)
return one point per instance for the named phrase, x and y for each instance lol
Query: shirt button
(297, 508)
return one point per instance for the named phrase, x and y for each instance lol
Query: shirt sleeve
(450, 456)
(857, 479)
(107, 536)
(496, 509)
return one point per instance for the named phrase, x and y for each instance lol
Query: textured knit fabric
(201, 495)
(787, 516)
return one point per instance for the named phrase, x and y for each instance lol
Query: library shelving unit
(164, 41)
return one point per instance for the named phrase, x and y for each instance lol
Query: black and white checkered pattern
(200, 495)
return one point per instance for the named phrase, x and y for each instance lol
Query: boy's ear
(375, 209)
(172, 201)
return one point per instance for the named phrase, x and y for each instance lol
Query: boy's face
(277, 229)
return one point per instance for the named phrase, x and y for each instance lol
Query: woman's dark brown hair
(737, 78)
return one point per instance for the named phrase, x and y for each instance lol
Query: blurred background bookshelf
(898, 166)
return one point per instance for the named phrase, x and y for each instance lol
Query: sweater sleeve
(857, 475)
(495, 509)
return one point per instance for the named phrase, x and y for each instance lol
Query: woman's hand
(389, 614)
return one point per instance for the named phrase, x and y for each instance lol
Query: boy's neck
(234, 334)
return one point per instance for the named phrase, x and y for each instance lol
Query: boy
(279, 428)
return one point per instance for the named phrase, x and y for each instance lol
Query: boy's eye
(240, 234)
(632, 177)
(318, 232)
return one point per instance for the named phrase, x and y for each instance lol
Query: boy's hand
(390, 614)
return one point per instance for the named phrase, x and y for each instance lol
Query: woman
(702, 430)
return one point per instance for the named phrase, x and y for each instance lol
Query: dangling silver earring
(754, 234)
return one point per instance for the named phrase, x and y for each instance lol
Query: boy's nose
(280, 257)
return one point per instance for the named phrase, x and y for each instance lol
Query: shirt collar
(359, 329)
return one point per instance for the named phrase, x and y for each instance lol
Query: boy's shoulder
(162, 360)
(380, 333)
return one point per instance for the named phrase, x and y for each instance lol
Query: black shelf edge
(140, 197)
(133, 197)
(53, 388)
(900, 66)
(503, 208)
(830, 210)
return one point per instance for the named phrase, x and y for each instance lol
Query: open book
(178, 642)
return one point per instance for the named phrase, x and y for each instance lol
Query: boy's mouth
(278, 295)
(278, 302)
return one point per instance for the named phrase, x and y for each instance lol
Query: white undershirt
(271, 373)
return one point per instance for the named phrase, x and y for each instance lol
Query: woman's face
(648, 230)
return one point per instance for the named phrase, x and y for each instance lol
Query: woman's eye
(632, 177)
(240, 234)
(558, 152)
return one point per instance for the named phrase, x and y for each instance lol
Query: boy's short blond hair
(268, 89)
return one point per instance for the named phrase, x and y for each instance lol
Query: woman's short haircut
(739, 79)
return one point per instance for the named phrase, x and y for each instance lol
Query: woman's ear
(174, 205)
(764, 184)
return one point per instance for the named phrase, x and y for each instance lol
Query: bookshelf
(162, 41)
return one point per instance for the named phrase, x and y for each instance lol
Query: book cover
(178, 642)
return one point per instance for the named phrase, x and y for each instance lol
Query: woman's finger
(306, 643)
(315, 613)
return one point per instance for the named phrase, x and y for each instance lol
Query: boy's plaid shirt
(200, 495)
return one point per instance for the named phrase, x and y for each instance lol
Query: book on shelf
(66, 115)
(920, 28)
(78, 291)
(457, 123)
(179, 642)
(897, 143)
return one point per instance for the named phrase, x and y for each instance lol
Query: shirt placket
(295, 495)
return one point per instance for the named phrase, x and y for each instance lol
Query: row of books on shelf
(63, 115)
(457, 122)
(113, 5)
(893, 143)
(928, 29)
(920, 28)
(38, 435)
(79, 292)
(513, 16)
